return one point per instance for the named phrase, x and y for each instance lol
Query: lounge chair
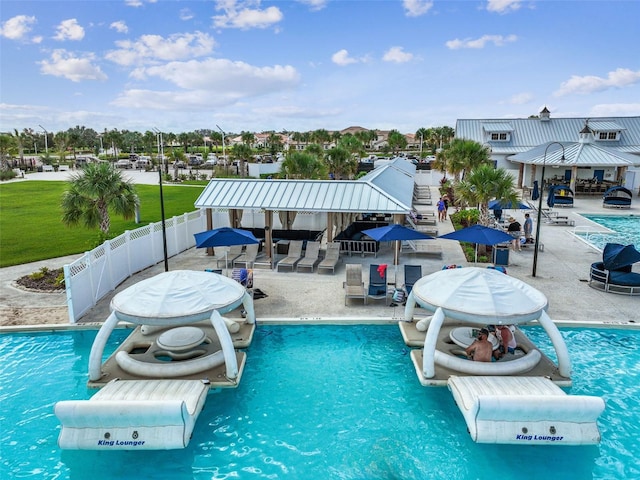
(293, 255)
(310, 258)
(354, 286)
(331, 258)
(377, 282)
(248, 258)
(617, 197)
(412, 273)
(551, 217)
(226, 255)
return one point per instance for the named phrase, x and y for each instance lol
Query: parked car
(195, 161)
(124, 163)
(143, 162)
(179, 164)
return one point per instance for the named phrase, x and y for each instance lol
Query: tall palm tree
(483, 184)
(396, 141)
(341, 163)
(241, 152)
(95, 191)
(463, 155)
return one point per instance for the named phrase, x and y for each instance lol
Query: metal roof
(495, 127)
(387, 189)
(528, 133)
(578, 154)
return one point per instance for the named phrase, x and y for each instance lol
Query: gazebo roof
(577, 154)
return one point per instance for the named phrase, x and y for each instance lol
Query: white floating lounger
(525, 411)
(133, 415)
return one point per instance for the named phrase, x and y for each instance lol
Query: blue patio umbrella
(397, 233)
(480, 235)
(536, 191)
(224, 237)
(551, 201)
(497, 205)
(616, 256)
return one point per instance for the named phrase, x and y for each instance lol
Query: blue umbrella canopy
(616, 256)
(479, 234)
(224, 237)
(551, 201)
(395, 232)
(498, 205)
(536, 191)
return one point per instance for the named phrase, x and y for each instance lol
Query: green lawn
(31, 229)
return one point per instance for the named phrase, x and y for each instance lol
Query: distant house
(598, 150)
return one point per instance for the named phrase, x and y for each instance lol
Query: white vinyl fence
(101, 270)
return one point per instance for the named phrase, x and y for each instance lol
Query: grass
(31, 229)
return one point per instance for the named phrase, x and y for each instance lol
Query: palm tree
(94, 192)
(483, 184)
(463, 155)
(396, 141)
(341, 163)
(241, 152)
(304, 165)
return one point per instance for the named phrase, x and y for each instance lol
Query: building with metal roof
(386, 190)
(597, 149)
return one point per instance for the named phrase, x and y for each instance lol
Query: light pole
(46, 142)
(226, 166)
(537, 241)
(160, 148)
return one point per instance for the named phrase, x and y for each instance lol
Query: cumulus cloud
(69, 30)
(342, 58)
(149, 48)
(622, 77)
(17, 28)
(503, 6)
(521, 98)
(416, 8)
(72, 67)
(397, 55)
(240, 14)
(219, 74)
(497, 40)
(119, 26)
(137, 3)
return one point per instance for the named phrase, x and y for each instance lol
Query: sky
(302, 65)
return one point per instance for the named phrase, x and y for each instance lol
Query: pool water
(626, 230)
(318, 402)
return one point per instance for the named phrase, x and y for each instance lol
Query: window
(608, 135)
(500, 137)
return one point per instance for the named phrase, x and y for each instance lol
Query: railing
(359, 246)
(101, 270)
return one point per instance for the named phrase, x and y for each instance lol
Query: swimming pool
(329, 402)
(625, 229)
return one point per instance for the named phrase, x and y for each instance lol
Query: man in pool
(481, 349)
(507, 341)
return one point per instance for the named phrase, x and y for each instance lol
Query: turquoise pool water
(318, 402)
(626, 230)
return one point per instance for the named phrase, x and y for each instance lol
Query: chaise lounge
(614, 274)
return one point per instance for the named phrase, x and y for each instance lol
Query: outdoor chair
(293, 255)
(377, 282)
(248, 258)
(226, 255)
(331, 258)
(354, 286)
(310, 258)
(412, 273)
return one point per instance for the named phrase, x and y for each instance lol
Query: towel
(382, 269)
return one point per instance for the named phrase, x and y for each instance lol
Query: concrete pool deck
(562, 275)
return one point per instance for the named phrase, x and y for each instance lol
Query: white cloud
(342, 58)
(239, 14)
(503, 6)
(16, 28)
(74, 68)
(622, 77)
(521, 98)
(416, 8)
(69, 30)
(214, 75)
(315, 5)
(397, 55)
(119, 26)
(155, 47)
(616, 110)
(186, 14)
(497, 40)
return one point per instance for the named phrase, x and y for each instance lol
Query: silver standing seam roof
(387, 189)
(579, 154)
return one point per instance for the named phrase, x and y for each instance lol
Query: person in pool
(507, 341)
(481, 349)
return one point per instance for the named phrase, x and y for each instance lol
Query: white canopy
(180, 296)
(479, 295)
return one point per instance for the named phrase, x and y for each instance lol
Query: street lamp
(226, 166)
(46, 144)
(160, 148)
(537, 241)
